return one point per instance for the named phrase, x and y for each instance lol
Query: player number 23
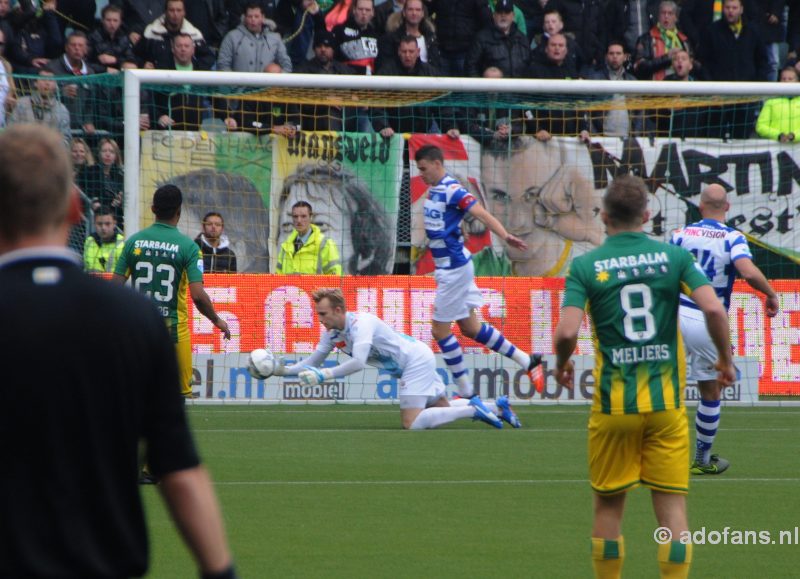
(637, 301)
(165, 274)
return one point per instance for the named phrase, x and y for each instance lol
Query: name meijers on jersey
(159, 245)
(636, 354)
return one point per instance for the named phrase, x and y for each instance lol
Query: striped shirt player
(722, 252)
(638, 431)
(163, 263)
(368, 340)
(446, 204)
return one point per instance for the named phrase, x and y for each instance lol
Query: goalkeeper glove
(312, 376)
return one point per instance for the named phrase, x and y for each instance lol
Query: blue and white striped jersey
(388, 350)
(445, 207)
(715, 246)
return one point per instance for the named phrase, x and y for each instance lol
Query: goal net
(537, 154)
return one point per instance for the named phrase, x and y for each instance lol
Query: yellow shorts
(650, 449)
(183, 350)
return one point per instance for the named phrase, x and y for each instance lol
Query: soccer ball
(261, 364)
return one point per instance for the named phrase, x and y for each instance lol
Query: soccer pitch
(343, 491)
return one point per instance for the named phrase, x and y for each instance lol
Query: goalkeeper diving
(369, 340)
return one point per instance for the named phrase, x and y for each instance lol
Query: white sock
(436, 416)
(464, 402)
(464, 385)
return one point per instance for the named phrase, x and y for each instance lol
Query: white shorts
(420, 384)
(456, 293)
(699, 345)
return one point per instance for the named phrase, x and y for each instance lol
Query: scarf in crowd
(670, 38)
(736, 28)
(717, 10)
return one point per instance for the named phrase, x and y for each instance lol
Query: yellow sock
(607, 557)
(674, 559)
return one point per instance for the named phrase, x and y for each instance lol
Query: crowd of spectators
(689, 40)
(666, 40)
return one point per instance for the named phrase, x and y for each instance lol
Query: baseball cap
(323, 37)
(504, 6)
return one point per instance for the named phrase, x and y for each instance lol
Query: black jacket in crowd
(457, 22)
(508, 52)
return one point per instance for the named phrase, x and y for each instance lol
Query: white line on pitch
(472, 482)
(350, 430)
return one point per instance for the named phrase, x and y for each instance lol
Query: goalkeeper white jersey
(715, 246)
(388, 350)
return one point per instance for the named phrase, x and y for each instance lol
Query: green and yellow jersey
(162, 262)
(630, 286)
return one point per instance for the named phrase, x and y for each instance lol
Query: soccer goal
(537, 153)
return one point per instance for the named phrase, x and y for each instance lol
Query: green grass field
(342, 491)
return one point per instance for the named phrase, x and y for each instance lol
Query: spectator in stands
(383, 12)
(768, 15)
(554, 65)
(37, 40)
(179, 111)
(155, 48)
(137, 14)
(554, 62)
(492, 124)
(628, 20)
(519, 17)
(681, 121)
(41, 106)
(356, 40)
(251, 46)
(412, 21)
(306, 249)
(102, 249)
(682, 66)
(554, 24)
(78, 97)
(618, 121)
(733, 48)
(103, 182)
(779, 119)
(8, 91)
(218, 257)
(655, 49)
(586, 20)
(500, 45)
(458, 24)
(301, 19)
(534, 14)
(325, 117)
(109, 46)
(8, 21)
(211, 18)
(82, 159)
(404, 119)
(348, 213)
(236, 9)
